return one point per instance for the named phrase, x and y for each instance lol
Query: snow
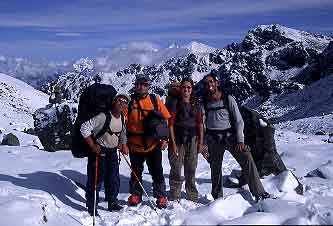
(42, 188)
(18, 101)
(308, 39)
(197, 48)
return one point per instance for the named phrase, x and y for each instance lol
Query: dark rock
(330, 138)
(294, 55)
(315, 173)
(320, 132)
(30, 131)
(54, 124)
(320, 66)
(11, 140)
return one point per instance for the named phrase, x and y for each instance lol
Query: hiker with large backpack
(104, 134)
(147, 132)
(224, 128)
(186, 141)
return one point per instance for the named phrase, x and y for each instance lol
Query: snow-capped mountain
(270, 59)
(268, 71)
(144, 53)
(18, 102)
(47, 188)
(198, 48)
(33, 73)
(37, 73)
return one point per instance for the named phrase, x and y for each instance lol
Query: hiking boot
(162, 202)
(114, 206)
(261, 197)
(134, 199)
(91, 212)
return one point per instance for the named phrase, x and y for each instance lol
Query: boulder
(53, 125)
(11, 140)
(320, 132)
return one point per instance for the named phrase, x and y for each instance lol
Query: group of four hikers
(188, 121)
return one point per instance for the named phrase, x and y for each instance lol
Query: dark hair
(212, 74)
(187, 79)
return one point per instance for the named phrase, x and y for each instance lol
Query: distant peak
(197, 47)
(174, 46)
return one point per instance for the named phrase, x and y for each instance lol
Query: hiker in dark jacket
(106, 148)
(186, 141)
(225, 132)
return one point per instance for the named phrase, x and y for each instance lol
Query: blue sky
(63, 30)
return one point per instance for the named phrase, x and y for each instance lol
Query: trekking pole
(136, 177)
(95, 188)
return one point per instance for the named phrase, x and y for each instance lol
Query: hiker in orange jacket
(142, 148)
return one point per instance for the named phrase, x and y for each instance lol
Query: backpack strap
(226, 106)
(131, 104)
(109, 131)
(231, 116)
(154, 101)
(106, 125)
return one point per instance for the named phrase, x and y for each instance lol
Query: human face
(142, 87)
(211, 84)
(186, 89)
(121, 103)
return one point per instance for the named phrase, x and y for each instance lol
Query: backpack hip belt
(222, 132)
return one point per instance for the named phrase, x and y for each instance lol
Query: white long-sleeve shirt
(95, 124)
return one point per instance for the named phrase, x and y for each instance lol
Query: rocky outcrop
(53, 125)
(270, 60)
(320, 66)
(11, 140)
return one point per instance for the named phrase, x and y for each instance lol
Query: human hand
(204, 152)
(164, 144)
(174, 149)
(124, 149)
(200, 147)
(96, 149)
(93, 146)
(240, 147)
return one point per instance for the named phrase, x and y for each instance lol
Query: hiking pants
(153, 159)
(108, 171)
(217, 144)
(187, 157)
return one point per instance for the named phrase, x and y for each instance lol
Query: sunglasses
(122, 101)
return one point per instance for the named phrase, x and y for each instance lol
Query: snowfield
(47, 188)
(44, 188)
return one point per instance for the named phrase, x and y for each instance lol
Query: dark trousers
(108, 171)
(217, 144)
(154, 162)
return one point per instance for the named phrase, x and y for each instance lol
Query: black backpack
(154, 124)
(94, 99)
